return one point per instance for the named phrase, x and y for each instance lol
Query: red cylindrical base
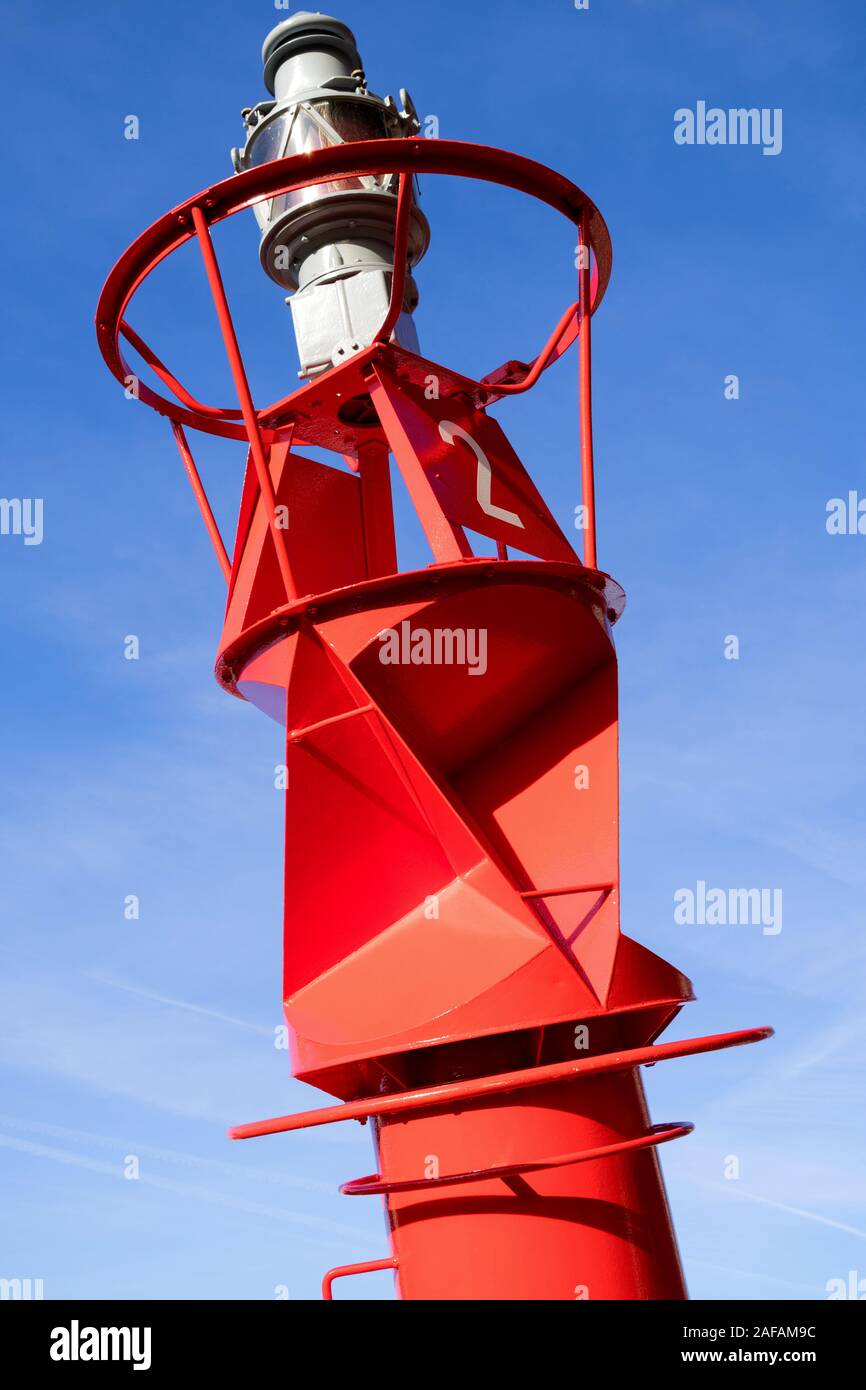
(599, 1229)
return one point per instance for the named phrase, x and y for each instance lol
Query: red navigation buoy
(455, 971)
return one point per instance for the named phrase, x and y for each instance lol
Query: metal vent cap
(306, 32)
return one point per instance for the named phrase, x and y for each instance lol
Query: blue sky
(119, 777)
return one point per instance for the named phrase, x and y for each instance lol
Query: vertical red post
(401, 249)
(245, 399)
(587, 474)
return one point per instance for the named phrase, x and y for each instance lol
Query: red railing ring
(657, 1134)
(455, 1092)
(240, 191)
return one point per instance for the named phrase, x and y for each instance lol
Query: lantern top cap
(303, 32)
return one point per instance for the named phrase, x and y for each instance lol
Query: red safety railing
(453, 1092)
(260, 428)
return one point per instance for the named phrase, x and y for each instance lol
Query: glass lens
(298, 132)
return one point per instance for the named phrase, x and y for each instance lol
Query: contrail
(237, 1170)
(752, 1274)
(799, 1211)
(150, 994)
(201, 1194)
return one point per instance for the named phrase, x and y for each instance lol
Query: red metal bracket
(201, 498)
(346, 1271)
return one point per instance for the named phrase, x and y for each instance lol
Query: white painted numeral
(451, 432)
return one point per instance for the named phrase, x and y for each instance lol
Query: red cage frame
(279, 421)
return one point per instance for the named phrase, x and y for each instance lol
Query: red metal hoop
(455, 1092)
(241, 191)
(657, 1134)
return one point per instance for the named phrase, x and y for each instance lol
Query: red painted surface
(454, 966)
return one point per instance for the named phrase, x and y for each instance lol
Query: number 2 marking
(450, 433)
